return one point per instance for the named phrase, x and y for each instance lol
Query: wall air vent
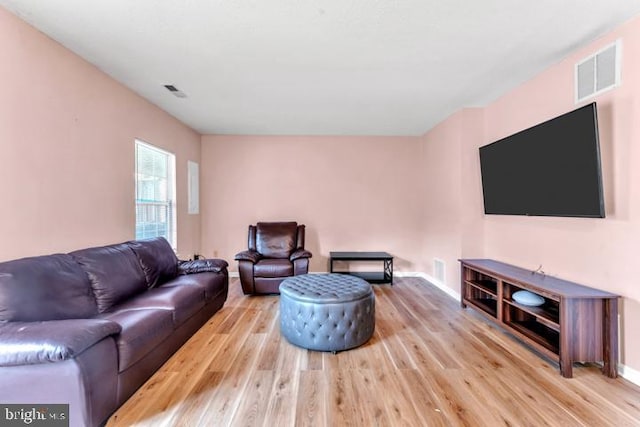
(598, 73)
(174, 90)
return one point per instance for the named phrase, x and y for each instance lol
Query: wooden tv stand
(575, 324)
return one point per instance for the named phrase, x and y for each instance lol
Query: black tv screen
(551, 169)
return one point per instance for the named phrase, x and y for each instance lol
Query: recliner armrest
(249, 255)
(299, 253)
(28, 343)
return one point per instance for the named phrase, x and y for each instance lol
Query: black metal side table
(384, 276)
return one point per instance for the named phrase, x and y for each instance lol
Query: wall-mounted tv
(551, 169)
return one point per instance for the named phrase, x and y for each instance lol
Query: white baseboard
(629, 374)
(432, 280)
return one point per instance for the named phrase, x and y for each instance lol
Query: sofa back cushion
(114, 273)
(51, 287)
(276, 239)
(157, 259)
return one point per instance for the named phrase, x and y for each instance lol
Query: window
(155, 193)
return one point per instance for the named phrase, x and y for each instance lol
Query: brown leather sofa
(276, 251)
(90, 327)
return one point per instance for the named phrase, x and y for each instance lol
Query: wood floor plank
(202, 394)
(429, 363)
(268, 315)
(422, 396)
(311, 400)
(453, 400)
(429, 349)
(370, 408)
(388, 325)
(479, 397)
(342, 408)
(142, 404)
(312, 361)
(227, 354)
(270, 351)
(282, 402)
(504, 396)
(255, 399)
(400, 408)
(221, 408)
(578, 403)
(620, 396)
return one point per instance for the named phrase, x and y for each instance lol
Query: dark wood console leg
(566, 369)
(610, 338)
(463, 276)
(566, 345)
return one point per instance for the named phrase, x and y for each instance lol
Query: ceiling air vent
(174, 90)
(598, 73)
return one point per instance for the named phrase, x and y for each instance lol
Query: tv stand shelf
(574, 324)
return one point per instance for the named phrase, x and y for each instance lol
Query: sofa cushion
(276, 239)
(157, 259)
(213, 284)
(51, 287)
(114, 272)
(273, 268)
(142, 331)
(182, 301)
(27, 343)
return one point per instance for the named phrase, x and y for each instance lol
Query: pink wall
(67, 135)
(353, 193)
(452, 221)
(596, 252)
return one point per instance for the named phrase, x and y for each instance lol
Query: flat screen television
(551, 169)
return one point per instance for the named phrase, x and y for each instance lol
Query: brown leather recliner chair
(276, 251)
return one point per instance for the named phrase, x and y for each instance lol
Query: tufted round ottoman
(326, 312)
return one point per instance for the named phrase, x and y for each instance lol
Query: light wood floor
(429, 363)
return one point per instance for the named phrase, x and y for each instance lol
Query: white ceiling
(322, 67)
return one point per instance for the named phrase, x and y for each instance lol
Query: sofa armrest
(202, 265)
(249, 255)
(28, 343)
(299, 253)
